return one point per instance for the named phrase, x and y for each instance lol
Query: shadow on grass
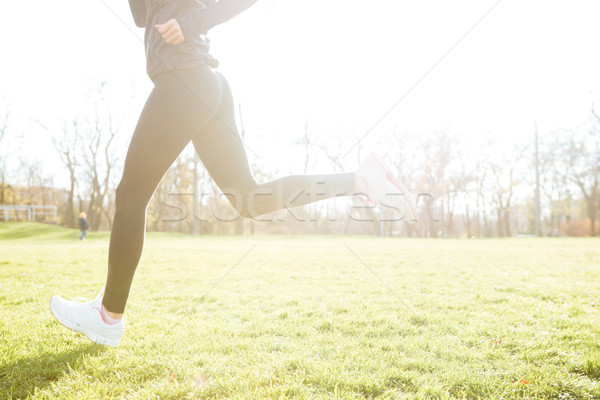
(20, 378)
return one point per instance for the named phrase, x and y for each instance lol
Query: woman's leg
(180, 105)
(222, 152)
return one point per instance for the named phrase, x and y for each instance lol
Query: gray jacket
(195, 17)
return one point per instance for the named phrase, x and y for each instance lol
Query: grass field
(303, 317)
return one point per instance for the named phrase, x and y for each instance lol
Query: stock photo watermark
(231, 205)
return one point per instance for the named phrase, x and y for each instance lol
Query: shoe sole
(95, 338)
(405, 194)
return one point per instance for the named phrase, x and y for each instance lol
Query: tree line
(463, 187)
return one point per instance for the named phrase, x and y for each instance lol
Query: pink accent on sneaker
(359, 190)
(104, 319)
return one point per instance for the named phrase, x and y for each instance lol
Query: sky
(340, 65)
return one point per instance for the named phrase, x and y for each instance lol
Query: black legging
(194, 105)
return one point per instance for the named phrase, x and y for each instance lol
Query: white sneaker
(376, 181)
(86, 317)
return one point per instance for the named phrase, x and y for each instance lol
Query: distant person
(191, 101)
(84, 225)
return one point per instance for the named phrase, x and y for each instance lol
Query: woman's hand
(171, 32)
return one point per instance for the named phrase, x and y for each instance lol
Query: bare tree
(404, 161)
(583, 158)
(504, 180)
(321, 149)
(318, 146)
(554, 176)
(476, 192)
(34, 188)
(67, 147)
(463, 183)
(439, 151)
(4, 122)
(67, 150)
(173, 205)
(98, 158)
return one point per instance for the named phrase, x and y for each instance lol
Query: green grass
(302, 317)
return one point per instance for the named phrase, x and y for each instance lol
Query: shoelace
(83, 300)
